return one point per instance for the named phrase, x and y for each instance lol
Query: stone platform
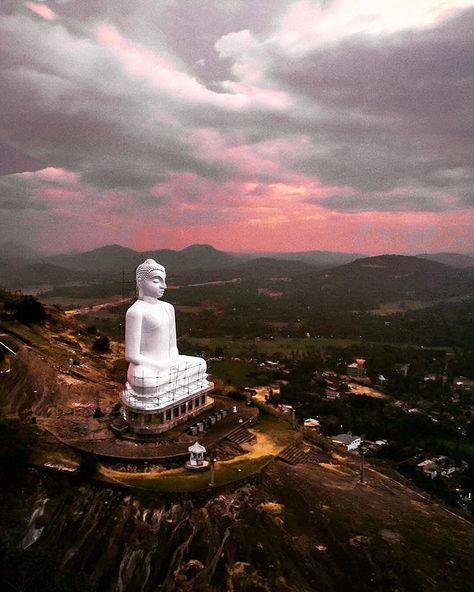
(168, 416)
(111, 448)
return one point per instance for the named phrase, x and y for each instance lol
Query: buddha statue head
(151, 279)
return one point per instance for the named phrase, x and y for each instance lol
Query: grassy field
(271, 346)
(273, 435)
(236, 373)
(401, 306)
(239, 347)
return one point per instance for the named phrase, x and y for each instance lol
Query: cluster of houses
(333, 385)
(356, 369)
(348, 441)
(440, 466)
(336, 384)
(351, 443)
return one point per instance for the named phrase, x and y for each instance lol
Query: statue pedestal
(164, 413)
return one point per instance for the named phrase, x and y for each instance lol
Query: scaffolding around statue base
(156, 409)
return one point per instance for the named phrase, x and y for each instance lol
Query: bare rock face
(32, 385)
(294, 529)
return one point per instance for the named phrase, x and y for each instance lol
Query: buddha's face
(153, 285)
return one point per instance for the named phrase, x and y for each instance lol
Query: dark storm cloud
(392, 110)
(396, 202)
(19, 193)
(13, 160)
(67, 102)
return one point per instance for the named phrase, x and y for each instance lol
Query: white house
(349, 441)
(311, 423)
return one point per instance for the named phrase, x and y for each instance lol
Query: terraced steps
(240, 436)
(293, 456)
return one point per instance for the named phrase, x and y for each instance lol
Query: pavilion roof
(196, 447)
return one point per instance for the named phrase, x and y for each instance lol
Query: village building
(463, 385)
(356, 369)
(401, 369)
(312, 424)
(428, 468)
(438, 466)
(348, 441)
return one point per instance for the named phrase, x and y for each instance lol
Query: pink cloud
(58, 174)
(234, 215)
(277, 216)
(266, 157)
(41, 10)
(160, 72)
(59, 193)
(307, 24)
(280, 224)
(371, 234)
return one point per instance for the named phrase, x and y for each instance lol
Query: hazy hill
(388, 278)
(109, 259)
(262, 268)
(112, 259)
(319, 258)
(26, 275)
(192, 257)
(452, 259)
(267, 267)
(12, 250)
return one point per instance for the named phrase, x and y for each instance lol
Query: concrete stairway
(293, 455)
(240, 436)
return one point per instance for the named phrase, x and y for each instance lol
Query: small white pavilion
(196, 460)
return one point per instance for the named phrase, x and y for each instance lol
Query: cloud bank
(282, 125)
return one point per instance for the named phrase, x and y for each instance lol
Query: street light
(362, 450)
(212, 462)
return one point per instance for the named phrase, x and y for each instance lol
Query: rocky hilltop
(304, 527)
(292, 528)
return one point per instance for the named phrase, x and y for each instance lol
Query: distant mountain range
(114, 258)
(22, 267)
(15, 251)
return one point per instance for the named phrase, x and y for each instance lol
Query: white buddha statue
(157, 374)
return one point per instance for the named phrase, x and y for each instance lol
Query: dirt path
(87, 309)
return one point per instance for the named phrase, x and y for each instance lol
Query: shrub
(101, 343)
(27, 309)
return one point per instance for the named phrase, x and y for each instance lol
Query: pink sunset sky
(272, 125)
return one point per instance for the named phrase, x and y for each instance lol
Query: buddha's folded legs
(188, 370)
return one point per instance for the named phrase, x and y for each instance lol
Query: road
(87, 309)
